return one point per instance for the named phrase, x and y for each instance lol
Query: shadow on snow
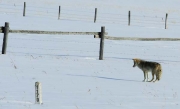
(101, 77)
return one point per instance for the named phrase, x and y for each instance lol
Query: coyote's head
(136, 62)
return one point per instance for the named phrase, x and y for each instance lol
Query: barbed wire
(94, 51)
(163, 61)
(42, 40)
(95, 42)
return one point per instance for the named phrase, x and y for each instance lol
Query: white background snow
(72, 77)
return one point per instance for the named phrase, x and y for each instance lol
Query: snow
(68, 68)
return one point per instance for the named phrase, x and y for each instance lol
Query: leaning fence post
(6, 31)
(95, 15)
(129, 18)
(59, 12)
(102, 43)
(24, 10)
(38, 93)
(166, 21)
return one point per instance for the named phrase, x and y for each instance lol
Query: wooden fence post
(59, 12)
(102, 43)
(166, 21)
(24, 10)
(38, 93)
(95, 15)
(6, 31)
(129, 18)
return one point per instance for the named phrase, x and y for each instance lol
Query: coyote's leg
(155, 80)
(157, 77)
(152, 77)
(147, 76)
(144, 76)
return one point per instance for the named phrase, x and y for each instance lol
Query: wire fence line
(56, 55)
(85, 42)
(84, 15)
(122, 45)
(92, 51)
(14, 48)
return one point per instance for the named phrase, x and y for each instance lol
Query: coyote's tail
(159, 72)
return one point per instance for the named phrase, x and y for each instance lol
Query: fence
(94, 16)
(139, 38)
(6, 31)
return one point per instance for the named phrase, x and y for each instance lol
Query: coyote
(146, 66)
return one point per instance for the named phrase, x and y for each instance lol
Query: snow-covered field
(72, 77)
